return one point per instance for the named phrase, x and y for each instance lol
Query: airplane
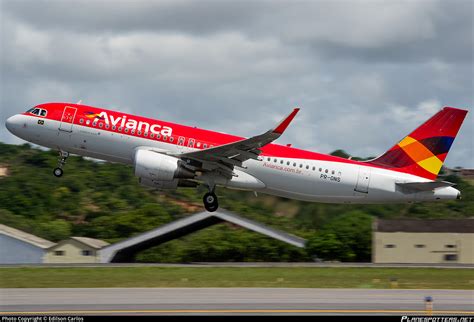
(167, 156)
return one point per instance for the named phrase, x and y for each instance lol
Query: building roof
(24, 236)
(125, 249)
(425, 226)
(92, 242)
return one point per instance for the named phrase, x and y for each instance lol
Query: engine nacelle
(159, 167)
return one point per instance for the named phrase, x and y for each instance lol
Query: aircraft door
(363, 180)
(67, 119)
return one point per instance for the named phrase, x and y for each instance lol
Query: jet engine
(156, 167)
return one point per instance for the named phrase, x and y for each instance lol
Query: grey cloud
(364, 30)
(363, 78)
(123, 16)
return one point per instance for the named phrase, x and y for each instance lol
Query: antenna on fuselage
(80, 102)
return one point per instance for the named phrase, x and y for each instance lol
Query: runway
(231, 301)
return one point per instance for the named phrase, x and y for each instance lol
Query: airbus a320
(167, 156)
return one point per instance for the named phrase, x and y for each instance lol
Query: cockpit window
(38, 111)
(30, 110)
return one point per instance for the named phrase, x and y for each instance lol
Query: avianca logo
(131, 124)
(93, 115)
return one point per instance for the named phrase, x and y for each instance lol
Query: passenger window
(307, 167)
(281, 161)
(288, 163)
(171, 139)
(294, 164)
(320, 169)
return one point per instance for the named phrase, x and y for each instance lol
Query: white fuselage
(302, 179)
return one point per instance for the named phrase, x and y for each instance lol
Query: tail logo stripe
(421, 155)
(424, 150)
(417, 151)
(432, 164)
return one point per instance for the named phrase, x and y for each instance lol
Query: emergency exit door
(67, 119)
(363, 180)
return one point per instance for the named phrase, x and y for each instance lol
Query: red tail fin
(423, 151)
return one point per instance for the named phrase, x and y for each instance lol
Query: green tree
(327, 246)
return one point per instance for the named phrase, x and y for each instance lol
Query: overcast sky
(365, 73)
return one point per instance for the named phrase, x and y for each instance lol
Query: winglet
(280, 128)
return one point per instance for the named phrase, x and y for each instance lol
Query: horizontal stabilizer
(425, 186)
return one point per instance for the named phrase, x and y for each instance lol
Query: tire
(58, 172)
(211, 208)
(210, 202)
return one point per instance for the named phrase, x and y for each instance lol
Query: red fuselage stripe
(205, 138)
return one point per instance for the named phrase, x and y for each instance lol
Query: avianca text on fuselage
(168, 156)
(131, 124)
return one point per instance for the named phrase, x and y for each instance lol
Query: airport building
(423, 241)
(19, 247)
(409, 241)
(75, 250)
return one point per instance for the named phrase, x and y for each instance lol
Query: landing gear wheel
(63, 155)
(58, 172)
(210, 202)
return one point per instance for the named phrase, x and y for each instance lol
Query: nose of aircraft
(12, 123)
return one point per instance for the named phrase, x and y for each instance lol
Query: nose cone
(13, 123)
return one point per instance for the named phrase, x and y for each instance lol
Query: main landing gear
(210, 201)
(63, 155)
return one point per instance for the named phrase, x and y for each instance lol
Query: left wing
(233, 154)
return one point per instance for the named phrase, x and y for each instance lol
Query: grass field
(408, 278)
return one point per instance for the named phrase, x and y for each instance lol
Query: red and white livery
(168, 156)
